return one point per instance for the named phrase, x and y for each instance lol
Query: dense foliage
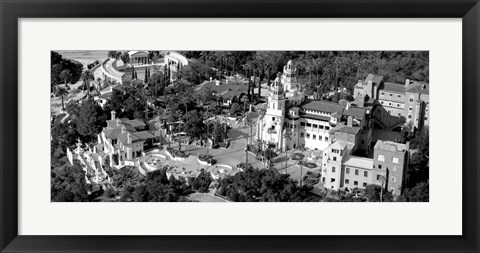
(64, 70)
(253, 185)
(68, 184)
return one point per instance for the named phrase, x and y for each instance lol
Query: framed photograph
(222, 126)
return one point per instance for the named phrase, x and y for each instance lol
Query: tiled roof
(112, 133)
(347, 129)
(223, 88)
(356, 112)
(417, 87)
(376, 79)
(359, 162)
(323, 106)
(394, 87)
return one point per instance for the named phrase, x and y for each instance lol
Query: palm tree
(61, 92)
(65, 76)
(87, 78)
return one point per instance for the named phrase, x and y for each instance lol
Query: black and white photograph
(239, 126)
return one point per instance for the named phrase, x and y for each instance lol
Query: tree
(125, 57)
(113, 54)
(65, 76)
(90, 120)
(68, 184)
(62, 92)
(87, 78)
(419, 193)
(202, 182)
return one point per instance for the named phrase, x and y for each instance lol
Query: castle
(353, 155)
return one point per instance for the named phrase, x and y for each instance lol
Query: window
(315, 125)
(355, 183)
(365, 173)
(333, 169)
(390, 94)
(399, 114)
(319, 138)
(378, 177)
(323, 180)
(301, 134)
(308, 135)
(273, 106)
(332, 180)
(320, 126)
(364, 184)
(380, 166)
(383, 93)
(309, 125)
(411, 99)
(326, 138)
(426, 118)
(335, 151)
(347, 170)
(395, 160)
(334, 158)
(302, 123)
(381, 158)
(409, 116)
(356, 172)
(273, 118)
(399, 96)
(392, 189)
(381, 102)
(394, 179)
(314, 137)
(327, 128)
(410, 109)
(346, 181)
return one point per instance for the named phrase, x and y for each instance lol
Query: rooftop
(394, 87)
(323, 106)
(418, 87)
(390, 146)
(359, 162)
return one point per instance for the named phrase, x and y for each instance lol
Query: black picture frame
(11, 11)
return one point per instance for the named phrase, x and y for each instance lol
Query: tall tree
(87, 78)
(62, 92)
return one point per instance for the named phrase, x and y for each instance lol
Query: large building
(126, 138)
(400, 103)
(344, 131)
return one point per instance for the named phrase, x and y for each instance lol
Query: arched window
(411, 99)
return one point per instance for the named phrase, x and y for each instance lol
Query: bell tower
(289, 77)
(274, 115)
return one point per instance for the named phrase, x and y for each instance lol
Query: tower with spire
(289, 77)
(270, 128)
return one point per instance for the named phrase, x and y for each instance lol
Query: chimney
(113, 113)
(350, 121)
(226, 81)
(128, 138)
(211, 79)
(217, 82)
(347, 107)
(407, 82)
